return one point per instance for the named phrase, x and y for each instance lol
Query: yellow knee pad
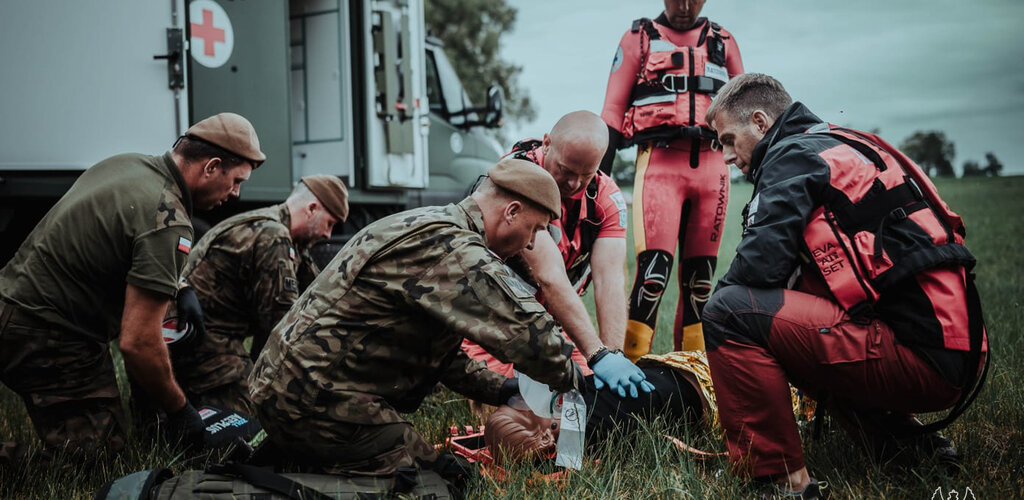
(638, 340)
(693, 337)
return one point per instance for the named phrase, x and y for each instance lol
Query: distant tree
(972, 169)
(932, 151)
(471, 31)
(623, 170)
(994, 167)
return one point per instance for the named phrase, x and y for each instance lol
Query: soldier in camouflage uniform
(382, 324)
(243, 272)
(104, 264)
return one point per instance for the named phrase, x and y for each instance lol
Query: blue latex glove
(620, 374)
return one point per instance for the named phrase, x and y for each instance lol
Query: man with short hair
(851, 281)
(663, 77)
(103, 264)
(592, 245)
(244, 275)
(382, 325)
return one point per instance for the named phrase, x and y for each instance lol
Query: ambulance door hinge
(175, 65)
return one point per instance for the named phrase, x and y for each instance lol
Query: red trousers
(675, 204)
(679, 200)
(761, 340)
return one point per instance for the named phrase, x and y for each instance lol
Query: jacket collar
(474, 216)
(795, 120)
(179, 180)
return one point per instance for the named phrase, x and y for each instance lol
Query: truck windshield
(444, 89)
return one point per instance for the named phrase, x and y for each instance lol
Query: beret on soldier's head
(331, 192)
(230, 132)
(529, 180)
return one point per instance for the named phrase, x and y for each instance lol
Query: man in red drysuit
(662, 79)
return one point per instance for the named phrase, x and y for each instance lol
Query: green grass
(990, 435)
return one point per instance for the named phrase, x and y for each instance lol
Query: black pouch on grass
(240, 482)
(226, 427)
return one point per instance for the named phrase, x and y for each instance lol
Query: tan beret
(230, 132)
(331, 192)
(529, 180)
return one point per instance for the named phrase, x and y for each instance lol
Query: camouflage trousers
(333, 447)
(216, 372)
(67, 383)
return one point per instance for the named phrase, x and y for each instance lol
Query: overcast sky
(896, 65)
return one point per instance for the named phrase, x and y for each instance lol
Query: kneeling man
(851, 280)
(382, 325)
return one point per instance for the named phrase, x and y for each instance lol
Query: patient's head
(514, 435)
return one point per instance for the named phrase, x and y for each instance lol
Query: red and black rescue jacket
(857, 215)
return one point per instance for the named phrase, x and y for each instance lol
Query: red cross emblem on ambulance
(211, 37)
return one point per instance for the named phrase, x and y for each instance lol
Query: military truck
(352, 88)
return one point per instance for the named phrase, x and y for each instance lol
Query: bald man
(592, 247)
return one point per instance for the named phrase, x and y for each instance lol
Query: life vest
(882, 221)
(577, 265)
(674, 86)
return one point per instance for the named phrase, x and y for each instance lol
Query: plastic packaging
(572, 431)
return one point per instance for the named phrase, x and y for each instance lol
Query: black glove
(186, 425)
(579, 382)
(509, 388)
(190, 313)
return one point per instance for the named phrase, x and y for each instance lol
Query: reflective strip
(662, 46)
(643, 157)
(655, 99)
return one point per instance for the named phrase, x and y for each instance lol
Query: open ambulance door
(238, 62)
(397, 117)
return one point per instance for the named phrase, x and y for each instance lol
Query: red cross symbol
(207, 32)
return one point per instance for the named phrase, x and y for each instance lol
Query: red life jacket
(674, 86)
(882, 221)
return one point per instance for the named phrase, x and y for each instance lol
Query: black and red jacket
(838, 208)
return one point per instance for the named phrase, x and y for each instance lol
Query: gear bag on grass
(233, 481)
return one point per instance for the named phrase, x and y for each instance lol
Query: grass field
(990, 436)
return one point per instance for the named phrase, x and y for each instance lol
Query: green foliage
(932, 151)
(471, 31)
(623, 170)
(990, 435)
(993, 167)
(972, 169)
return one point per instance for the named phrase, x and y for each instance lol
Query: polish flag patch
(184, 245)
(291, 252)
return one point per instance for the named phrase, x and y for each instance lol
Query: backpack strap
(269, 480)
(639, 23)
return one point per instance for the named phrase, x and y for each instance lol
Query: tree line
(934, 153)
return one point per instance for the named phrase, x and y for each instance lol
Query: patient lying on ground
(679, 396)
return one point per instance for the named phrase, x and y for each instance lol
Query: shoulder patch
(617, 60)
(184, 245)
(620, 204)
(291, 285)
(515, 285)
(751, 211)
(291, 252)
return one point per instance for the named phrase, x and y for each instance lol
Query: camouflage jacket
(382, 324)
(243, 271)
